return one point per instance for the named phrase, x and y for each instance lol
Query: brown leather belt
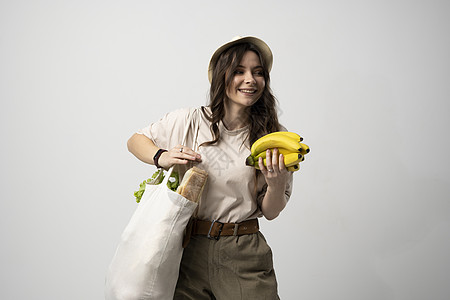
(215, 229)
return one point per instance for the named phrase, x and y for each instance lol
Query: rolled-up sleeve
(168, 131)
(287, 189)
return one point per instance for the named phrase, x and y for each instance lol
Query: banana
(289, 160)
(288, 143)
(280, 150)
(293, 168)
(304, 149)
(275, 140)
(292, 159)
(287, 133)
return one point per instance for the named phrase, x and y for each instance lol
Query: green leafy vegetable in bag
(174, 181)
(157, 178)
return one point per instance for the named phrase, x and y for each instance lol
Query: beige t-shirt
(233, 192)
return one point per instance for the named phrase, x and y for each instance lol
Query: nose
(249, 78)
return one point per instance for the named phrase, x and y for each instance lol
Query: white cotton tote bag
(147, 260)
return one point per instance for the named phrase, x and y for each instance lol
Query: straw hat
(265, 51)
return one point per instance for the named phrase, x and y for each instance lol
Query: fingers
(186, 153)
(270, 160)
(178, 155)
(262, 167)
(274, 162)
(181, 152)
(274, 169)
(281, 165)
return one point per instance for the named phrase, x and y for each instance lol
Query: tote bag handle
(194, 115)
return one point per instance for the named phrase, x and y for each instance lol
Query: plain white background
(365, 82)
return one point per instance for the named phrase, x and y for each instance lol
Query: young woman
(227, 256)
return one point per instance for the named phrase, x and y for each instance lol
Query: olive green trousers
(231, 268)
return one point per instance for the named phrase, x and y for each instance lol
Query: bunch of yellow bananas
(288, 143)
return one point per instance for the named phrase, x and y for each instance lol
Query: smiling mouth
(247, 91)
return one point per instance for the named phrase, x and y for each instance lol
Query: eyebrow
(241, 66)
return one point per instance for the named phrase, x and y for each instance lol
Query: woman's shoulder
(183, 116)
(181, 113)
(191, 109)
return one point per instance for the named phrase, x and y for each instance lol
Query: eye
(238, 72)
(259, 73)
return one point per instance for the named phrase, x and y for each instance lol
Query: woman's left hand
(275, 172)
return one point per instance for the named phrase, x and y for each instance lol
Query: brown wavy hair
(262, 115)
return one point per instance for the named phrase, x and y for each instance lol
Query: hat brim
(263, 48)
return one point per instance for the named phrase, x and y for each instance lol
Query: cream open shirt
(232, 192)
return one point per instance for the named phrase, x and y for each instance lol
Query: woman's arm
(274, 200)
(273, 203)
(144, 149)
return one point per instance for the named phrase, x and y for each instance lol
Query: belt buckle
(220, 230)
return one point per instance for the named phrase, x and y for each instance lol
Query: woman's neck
(235, 117)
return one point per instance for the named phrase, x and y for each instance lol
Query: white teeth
(248, 91)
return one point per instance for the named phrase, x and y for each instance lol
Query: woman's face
(248, 81)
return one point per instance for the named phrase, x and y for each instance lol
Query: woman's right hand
(144, 149)
(178, 155)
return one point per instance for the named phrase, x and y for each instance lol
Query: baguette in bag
(191, 187)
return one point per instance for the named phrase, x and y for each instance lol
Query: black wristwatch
(156, 157)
